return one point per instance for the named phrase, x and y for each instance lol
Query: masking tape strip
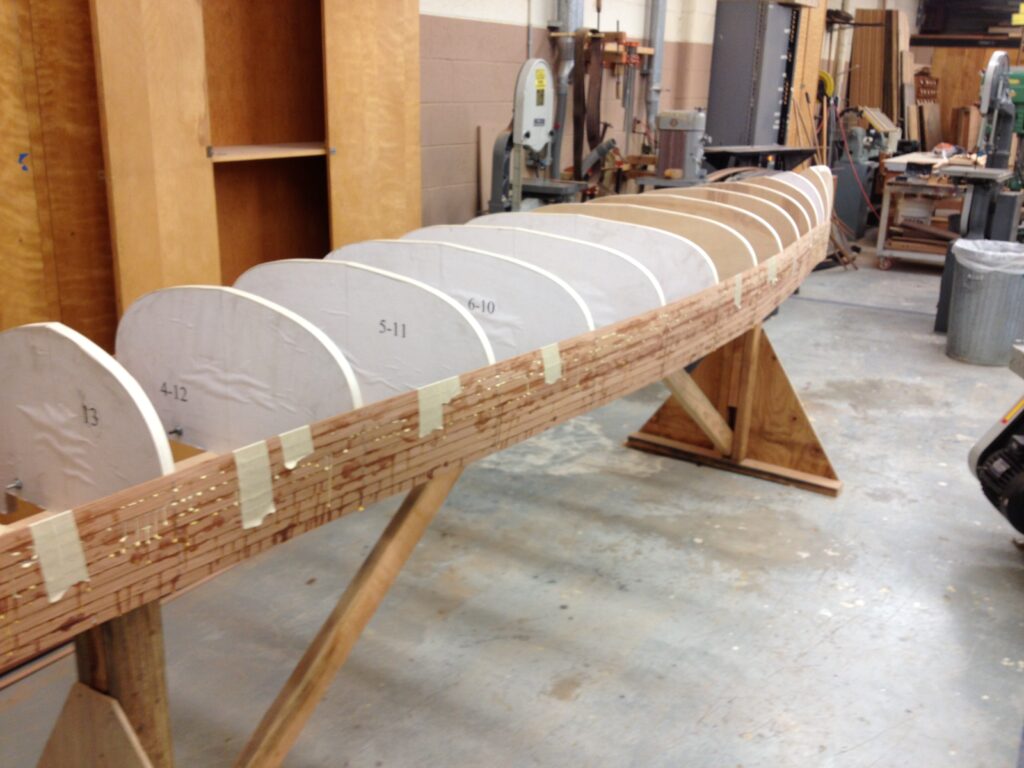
(552, 363)
(296, 444)
(60, 553)
(255, 489)
(773, 271)
(737, 292)
(432, 399)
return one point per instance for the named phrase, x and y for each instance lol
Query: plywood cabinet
(237, 133)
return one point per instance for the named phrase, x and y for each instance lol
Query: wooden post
(281, 725)
(749, 354)
(771, 436)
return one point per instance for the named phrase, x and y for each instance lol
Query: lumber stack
(882, 68)
(921, 224)
(926, 91)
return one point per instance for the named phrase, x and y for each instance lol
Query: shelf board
(247, 152)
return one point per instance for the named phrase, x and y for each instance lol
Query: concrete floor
(580, 604)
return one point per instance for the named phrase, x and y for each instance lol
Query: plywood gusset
(772, 437)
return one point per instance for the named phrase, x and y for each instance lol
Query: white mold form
(614, 285)
(225, 368)
(520, 306)
(74, 425)
(681, 267)
(397, 333)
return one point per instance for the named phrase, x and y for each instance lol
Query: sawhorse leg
(281, 725)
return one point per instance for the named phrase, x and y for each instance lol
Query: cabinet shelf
(247, 152)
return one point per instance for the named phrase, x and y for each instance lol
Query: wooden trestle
(738, 411)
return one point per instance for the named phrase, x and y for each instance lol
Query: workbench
(905, 189)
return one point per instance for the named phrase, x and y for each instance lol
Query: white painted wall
(687, 21)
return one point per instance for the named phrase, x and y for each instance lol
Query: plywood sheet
(867, 59)
(807, 63)
(372, 86)
(75, 192)
(399, 334)
(225, 368)
(151, 70)
(931, 124)
(28, 292)
(520, 306)
(680, 265)
(958, 71)
(93, 731)
(613, 285)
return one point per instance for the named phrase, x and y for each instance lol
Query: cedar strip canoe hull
(155, 539)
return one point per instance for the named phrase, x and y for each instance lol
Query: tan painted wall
(468, 72)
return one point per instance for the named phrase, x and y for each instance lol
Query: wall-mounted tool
(681, 144)
(528, 145)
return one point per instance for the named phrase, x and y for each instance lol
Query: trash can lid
(990, 255)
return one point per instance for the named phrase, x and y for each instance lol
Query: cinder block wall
(471, 51)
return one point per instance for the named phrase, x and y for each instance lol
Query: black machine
(990, 210)
(997, 460)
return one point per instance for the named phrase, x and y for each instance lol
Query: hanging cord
(856, 176)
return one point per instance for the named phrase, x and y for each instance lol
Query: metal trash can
(986, 312)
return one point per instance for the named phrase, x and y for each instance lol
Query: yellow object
(825, 79)
(1017, 20)
(1012, 413)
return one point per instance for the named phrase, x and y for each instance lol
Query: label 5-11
(396, 329)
